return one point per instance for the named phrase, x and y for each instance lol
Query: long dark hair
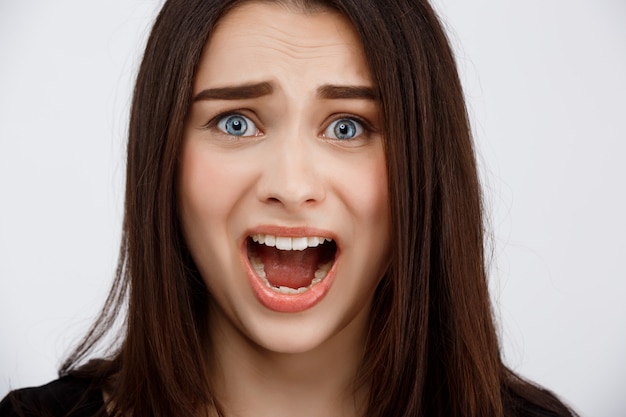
(432, 350)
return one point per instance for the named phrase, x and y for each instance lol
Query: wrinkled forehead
(256, 39)
(310, 14)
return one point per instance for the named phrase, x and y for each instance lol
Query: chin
(331, 324)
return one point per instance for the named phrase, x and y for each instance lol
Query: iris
(345, 129)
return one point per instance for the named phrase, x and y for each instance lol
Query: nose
(291, 177)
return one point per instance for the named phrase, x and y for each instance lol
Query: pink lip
(291, 231)
(288, 303)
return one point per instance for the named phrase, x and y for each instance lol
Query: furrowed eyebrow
(239, 92)
(328, 91)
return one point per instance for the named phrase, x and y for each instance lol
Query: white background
(546, 87)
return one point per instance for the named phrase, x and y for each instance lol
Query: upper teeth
(289, 243)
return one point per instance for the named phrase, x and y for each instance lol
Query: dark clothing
(68, 396)
(71, 396)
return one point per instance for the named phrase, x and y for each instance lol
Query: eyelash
(363, 125)
(215, 122)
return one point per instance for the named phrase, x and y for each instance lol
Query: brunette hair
(433, 348)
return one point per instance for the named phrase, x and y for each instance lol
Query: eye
(344, 129)
(237, 125)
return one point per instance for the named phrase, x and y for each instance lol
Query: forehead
(258, 39)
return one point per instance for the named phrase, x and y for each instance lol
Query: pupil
(236, 125)
(345, 129)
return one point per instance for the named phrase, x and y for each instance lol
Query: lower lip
(288, 303)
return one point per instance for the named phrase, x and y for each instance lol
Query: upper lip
(302, 231)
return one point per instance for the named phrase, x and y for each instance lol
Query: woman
(303, 226)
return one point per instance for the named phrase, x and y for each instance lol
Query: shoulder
(527, 409)
(67, 396)
(533, 401)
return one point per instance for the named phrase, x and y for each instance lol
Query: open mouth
(291, 265)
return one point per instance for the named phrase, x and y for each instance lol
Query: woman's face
(282, 179)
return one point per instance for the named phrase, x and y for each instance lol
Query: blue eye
(344, 129)
(237, 125)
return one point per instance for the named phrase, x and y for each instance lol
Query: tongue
(289, 268)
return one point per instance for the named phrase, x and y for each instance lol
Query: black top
(71, 396)
(68, 396)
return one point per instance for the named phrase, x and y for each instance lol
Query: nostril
(287, 201)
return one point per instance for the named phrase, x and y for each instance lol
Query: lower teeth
(259, 268)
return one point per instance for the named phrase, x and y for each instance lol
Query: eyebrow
(239, 92)
(256, 90)
(328, 91)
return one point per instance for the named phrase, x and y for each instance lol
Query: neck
(252, 381)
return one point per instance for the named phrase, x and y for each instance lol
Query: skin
(289, 173)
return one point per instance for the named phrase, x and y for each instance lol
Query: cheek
(372, 208)
(377, 194)
(365, 190)
(208, 186)
(209, 190)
